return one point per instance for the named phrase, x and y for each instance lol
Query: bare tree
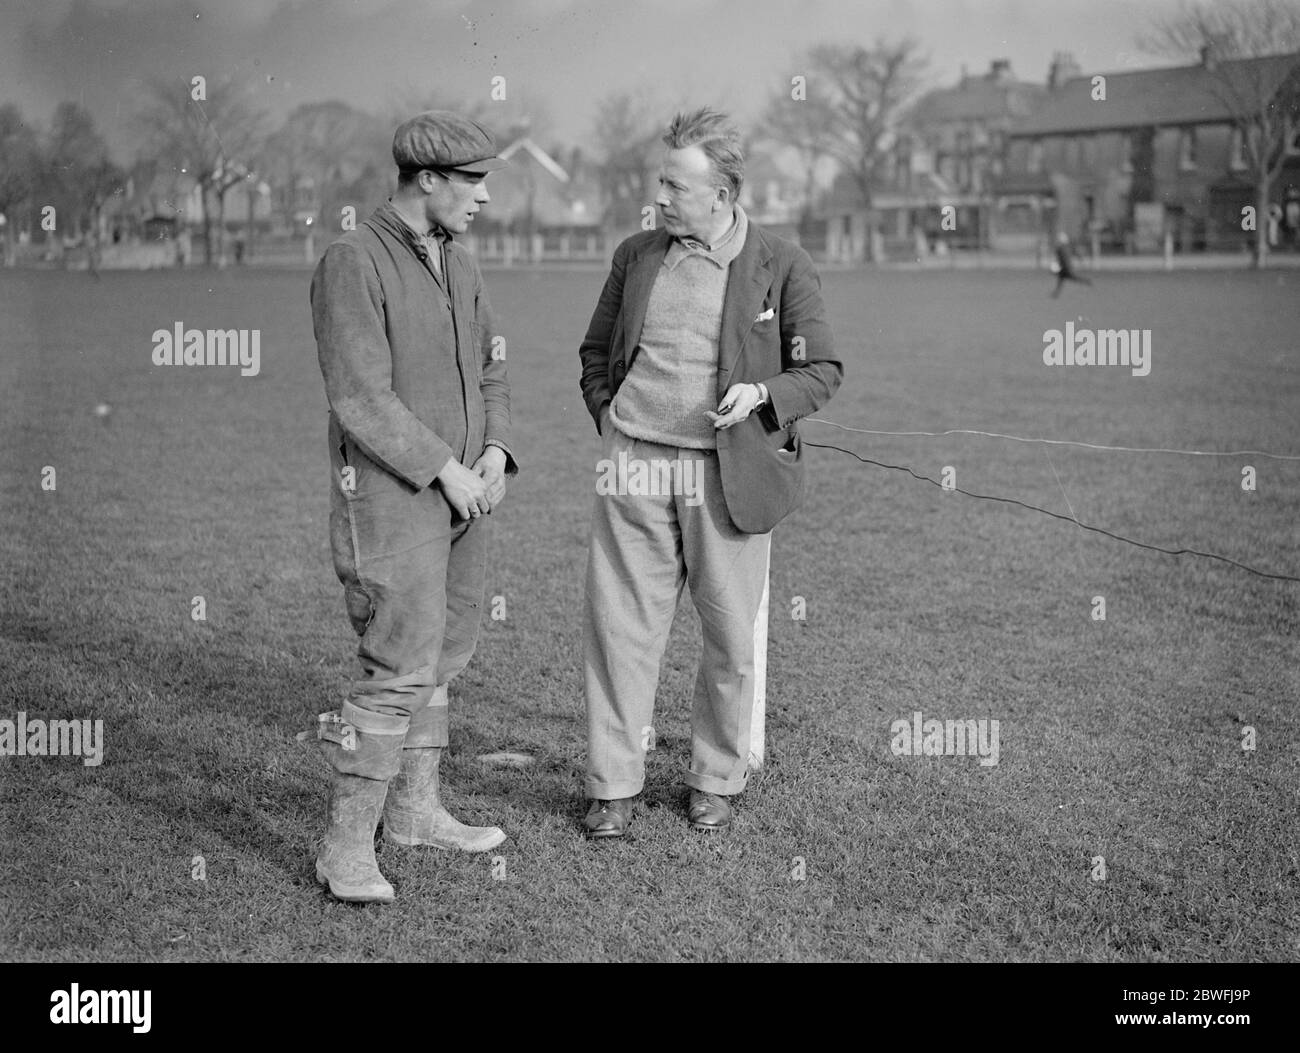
(625, 134)
(80, 175)
(212, 139)
(1254, 61)
(805, 123)
(507, 119)
(19, 170)
(344, 152)
(863, 91)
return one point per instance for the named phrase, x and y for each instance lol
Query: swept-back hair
(720, 140)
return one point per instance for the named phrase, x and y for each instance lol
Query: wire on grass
(1057, 515)
(1061, 442)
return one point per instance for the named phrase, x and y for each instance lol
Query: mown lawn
(1120, 738)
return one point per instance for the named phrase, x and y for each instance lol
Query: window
(1187, 149)
(963, 172)
(903, 164)
(1237, 151)
(1036, 156)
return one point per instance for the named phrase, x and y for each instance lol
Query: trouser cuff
(612, 791)
(397, 695)
(429, 727)
(722, 787)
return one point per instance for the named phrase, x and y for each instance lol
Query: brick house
(1160, 152)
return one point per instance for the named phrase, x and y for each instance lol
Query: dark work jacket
(774, 332)
(409, 370)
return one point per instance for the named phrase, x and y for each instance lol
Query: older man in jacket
(708, 343)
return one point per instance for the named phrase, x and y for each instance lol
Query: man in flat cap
(419, 453)
(708, 343)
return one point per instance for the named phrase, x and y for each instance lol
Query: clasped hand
(472, 492)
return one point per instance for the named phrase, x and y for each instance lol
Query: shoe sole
(602, 835)
(711, 827)
(348, 895)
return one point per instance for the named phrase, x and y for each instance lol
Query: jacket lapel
(641, 273)
(747, 283)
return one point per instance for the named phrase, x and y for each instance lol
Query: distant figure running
(1065, 264)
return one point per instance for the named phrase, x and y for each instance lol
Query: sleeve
(810, 371)
(594, 350)
(357, 364)
(494, 386)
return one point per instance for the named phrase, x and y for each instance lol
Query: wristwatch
(762, 396)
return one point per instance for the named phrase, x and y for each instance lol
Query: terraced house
(1124, 159)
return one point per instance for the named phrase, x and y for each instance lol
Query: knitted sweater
(674, 376)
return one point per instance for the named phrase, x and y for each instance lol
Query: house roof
(536, 187)
(539, 155)
(978, 98)
(1177, 95)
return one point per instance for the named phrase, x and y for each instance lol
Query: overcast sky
(566, 54)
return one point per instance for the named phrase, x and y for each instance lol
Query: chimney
(1000, 71)
(1213, 51)
(1063, 67)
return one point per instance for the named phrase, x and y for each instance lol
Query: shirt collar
(721, 254)
(438, 233)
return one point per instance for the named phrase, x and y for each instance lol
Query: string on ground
(1060, 442)
(1057, 515)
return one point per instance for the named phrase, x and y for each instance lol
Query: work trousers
(412, 576)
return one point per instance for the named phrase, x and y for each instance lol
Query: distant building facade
(1159, 153)
(540, 208)
(938, 192)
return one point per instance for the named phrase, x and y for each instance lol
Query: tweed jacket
(774, 331)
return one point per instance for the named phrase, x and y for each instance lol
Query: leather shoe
(709, 811)
(609, 818)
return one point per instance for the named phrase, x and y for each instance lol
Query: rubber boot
(413, 814)
(364, 750)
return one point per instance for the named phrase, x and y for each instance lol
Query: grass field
(1119, 739)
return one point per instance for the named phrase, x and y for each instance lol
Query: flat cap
(442, 139)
